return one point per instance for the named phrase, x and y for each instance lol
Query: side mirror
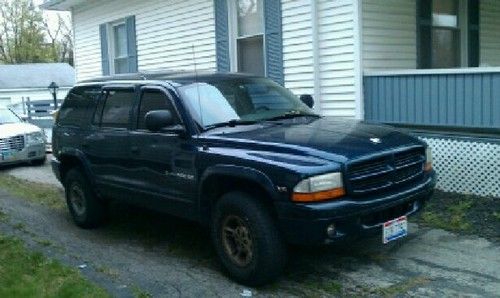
(307, 100)
(25, 118)
(157, 120)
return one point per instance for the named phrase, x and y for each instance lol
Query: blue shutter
(103, 30)
(222, 35)
(131, 44)
(273, 40)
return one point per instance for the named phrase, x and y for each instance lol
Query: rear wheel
(84, 206)
(247, 240)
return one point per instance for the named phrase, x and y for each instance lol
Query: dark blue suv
(242, 156)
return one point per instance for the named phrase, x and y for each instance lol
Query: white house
(430, 65)
(18, 82)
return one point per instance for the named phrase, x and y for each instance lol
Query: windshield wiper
(291, 114)
(230, 123)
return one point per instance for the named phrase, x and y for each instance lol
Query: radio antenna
(197, 85)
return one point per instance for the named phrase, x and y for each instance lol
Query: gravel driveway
(168, 257)
(38, 174)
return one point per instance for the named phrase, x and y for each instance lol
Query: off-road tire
(94, 210)
(269, 250)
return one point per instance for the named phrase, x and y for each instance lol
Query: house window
(247, 36)
(120, 50)
(447, 36)
(118, 47)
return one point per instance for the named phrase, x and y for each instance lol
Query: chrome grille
(12, 144)
(386, 171)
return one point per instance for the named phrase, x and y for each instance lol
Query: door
(162, 162)
(107, 143)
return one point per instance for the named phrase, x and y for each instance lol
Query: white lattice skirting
(466, 165)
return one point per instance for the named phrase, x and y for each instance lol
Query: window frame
(137, 108)
(112, 44)
(463, 35)
(234, 37)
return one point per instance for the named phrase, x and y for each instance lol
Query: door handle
(134, 149)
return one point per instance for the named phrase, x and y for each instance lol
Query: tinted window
(76, 105)
(116, 112)
(152, 100)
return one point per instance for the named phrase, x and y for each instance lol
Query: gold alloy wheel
(237, 240)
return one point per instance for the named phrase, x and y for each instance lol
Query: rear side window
(117, 108)
(75, 110)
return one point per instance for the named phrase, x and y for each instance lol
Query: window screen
(152, 100)
(117, 108)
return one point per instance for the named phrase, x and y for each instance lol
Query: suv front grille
(386, 171)
(12, 144)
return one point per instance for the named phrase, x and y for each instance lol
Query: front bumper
(29, 153)
(307, 223)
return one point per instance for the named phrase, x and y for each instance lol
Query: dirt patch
(465, 214)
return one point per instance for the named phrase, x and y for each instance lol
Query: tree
(60, 39)
(25, 36)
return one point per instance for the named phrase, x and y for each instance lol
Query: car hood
(330, 138)
(15, 129)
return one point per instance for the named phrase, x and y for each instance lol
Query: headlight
(428, 159)
(319, 188)
(35, 138)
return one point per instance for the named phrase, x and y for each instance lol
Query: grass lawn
(43, 194)
(28, 274)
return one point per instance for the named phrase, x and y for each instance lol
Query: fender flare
(80, 156)
(245, 173)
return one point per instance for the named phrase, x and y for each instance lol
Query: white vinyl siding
(337, 57)
(389, 34)
(166, 33)
(336, 53)
(489, 36)
(298, 46)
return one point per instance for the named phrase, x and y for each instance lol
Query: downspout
(316, 53)
(358, 59)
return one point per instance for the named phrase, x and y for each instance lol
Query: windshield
(240, 100)
(7, 116)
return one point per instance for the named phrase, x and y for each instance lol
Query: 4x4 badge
(375, 140)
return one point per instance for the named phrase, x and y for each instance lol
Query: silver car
(20, 141)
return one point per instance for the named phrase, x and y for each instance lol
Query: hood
(15, 129)
(349, 139)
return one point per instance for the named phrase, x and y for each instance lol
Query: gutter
(60, 5)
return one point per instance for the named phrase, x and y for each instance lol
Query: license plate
(5, 155)
(394, 229)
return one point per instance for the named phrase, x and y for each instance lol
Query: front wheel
(247, 240)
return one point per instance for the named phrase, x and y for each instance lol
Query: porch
(433, 67)
(463, 101)
(456, 111)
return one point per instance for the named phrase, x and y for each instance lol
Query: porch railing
(463, 98)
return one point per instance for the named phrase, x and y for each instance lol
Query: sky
(51, 16)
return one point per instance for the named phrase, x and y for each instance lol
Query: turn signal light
(318, 196)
